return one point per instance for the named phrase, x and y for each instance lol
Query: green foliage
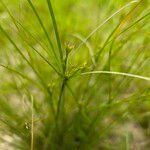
(73, 73)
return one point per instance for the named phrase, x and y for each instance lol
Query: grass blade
(20, 74)
(55, 29)
(19, 51)
(105, 21)
(32, 123)
(118, 73)
(15, 23)
(42, 25)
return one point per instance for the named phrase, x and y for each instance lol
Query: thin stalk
(109, 69)
(55, 29)
(60, 105)
(60, 100)
(32, 123)
(127, 141)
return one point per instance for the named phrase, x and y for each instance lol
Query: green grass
(74, 75)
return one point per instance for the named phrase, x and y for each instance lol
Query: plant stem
(60, 99)
(32, 124)
(56, 30)
(109, 69)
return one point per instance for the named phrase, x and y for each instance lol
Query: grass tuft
(63, 87)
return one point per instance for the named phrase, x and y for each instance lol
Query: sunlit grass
(74, 74)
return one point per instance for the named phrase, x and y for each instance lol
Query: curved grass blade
(118, 11)
(105, 21)
(117, 36)
(91, 52)
(118, 73)
(109, 69)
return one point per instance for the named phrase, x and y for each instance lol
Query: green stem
(55, 29)
(109, 69)
(60, 99)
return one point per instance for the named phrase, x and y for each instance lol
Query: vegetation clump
(74, 75)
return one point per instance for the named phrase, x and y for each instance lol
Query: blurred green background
(87, 119)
